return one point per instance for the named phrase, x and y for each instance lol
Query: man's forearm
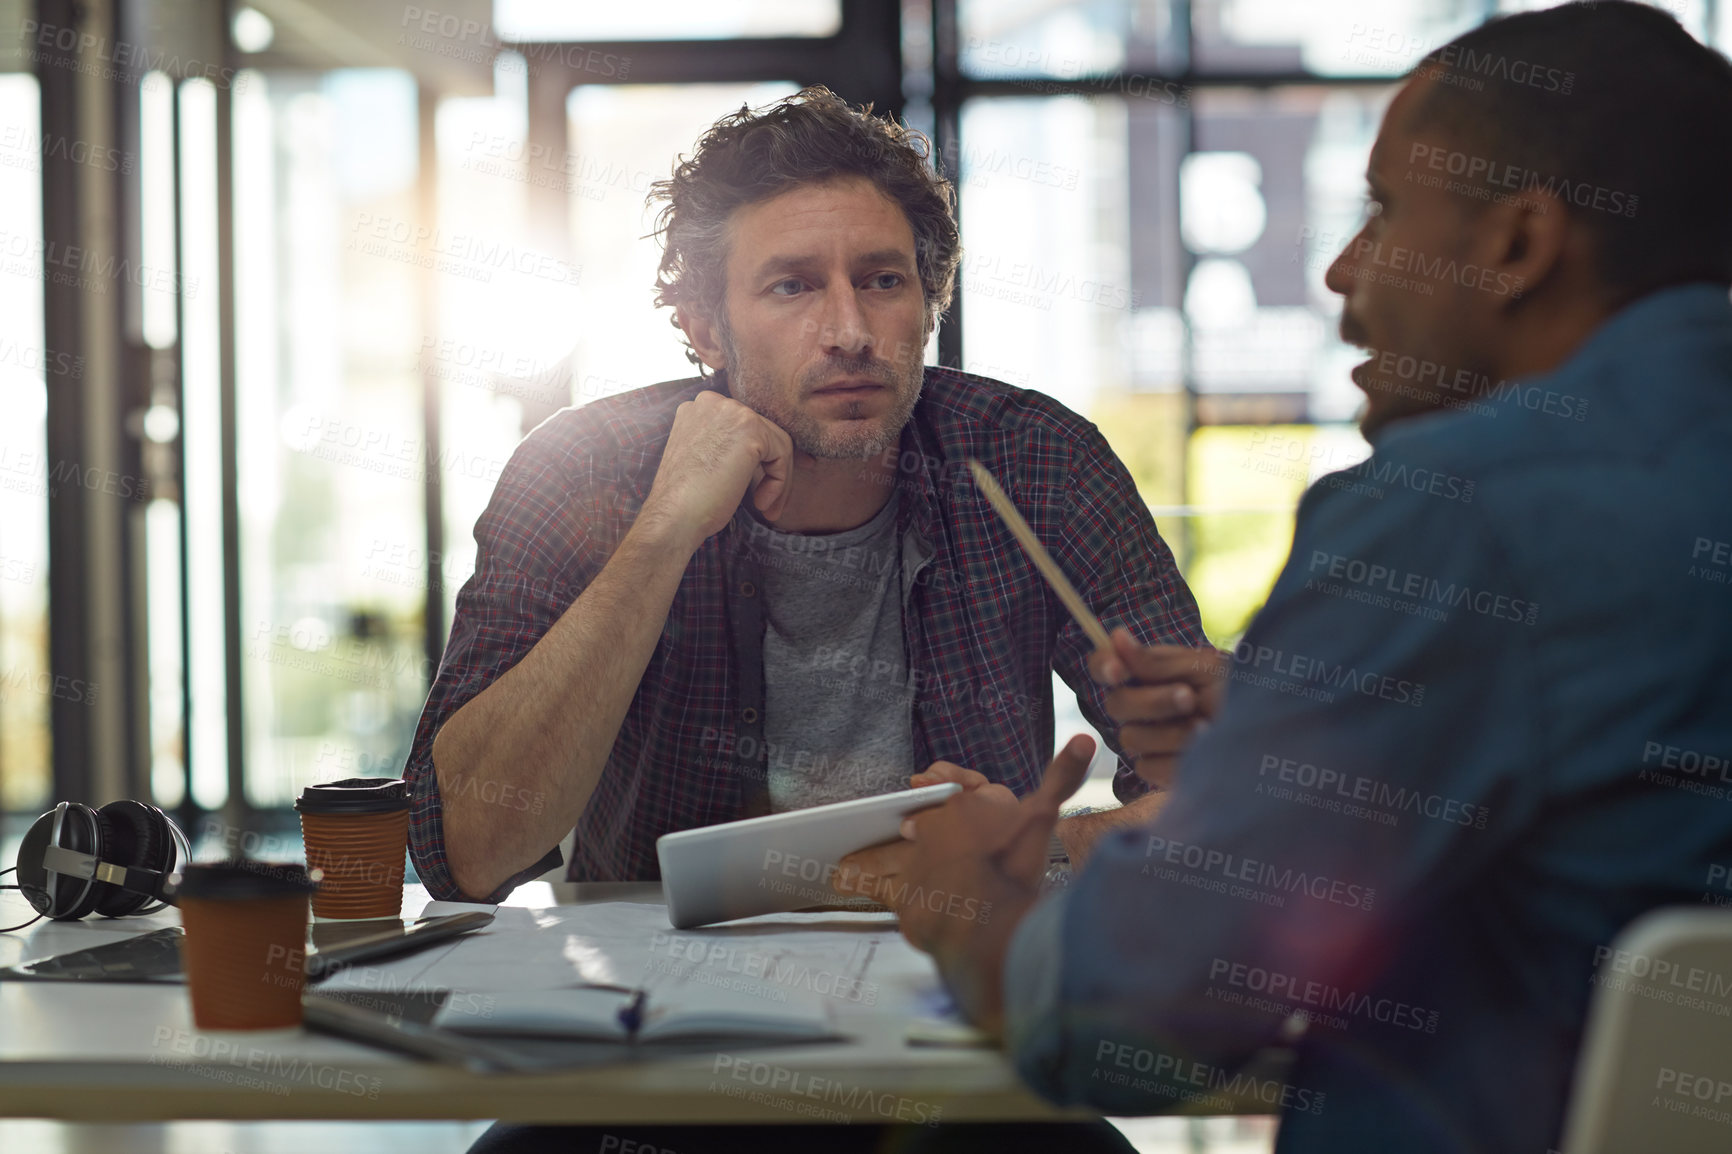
(545, 727)
(1079, 833)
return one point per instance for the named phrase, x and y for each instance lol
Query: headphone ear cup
(81, 832)
(34, 882)
(133, 836)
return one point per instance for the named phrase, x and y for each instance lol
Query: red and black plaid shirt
(983, 633)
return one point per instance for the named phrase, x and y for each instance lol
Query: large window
(332, 457)
(1173, 291)
(397, 325)
(26, 682)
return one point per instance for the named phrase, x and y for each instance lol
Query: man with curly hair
(774, 585)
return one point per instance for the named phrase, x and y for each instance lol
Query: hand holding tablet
(781, 862)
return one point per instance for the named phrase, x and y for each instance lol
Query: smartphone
(339, 945)
(155, 957)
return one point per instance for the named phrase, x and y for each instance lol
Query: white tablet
(784, 861)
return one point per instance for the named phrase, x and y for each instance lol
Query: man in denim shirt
(1470, 736)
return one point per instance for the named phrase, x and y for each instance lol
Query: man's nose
(1338, 277)
(842, 329)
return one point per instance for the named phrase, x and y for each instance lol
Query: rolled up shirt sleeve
(537, 548)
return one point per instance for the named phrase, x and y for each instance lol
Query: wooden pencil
(1037, 553)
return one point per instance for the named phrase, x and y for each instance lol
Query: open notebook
(618, 1015)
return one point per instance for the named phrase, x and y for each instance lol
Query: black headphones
(113, 861)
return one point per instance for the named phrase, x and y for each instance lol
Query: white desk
(130, 1052)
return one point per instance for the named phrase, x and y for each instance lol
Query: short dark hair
(1603, 95)
(811, 137)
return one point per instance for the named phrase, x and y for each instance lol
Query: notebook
(527, 1032)
(619, 1015)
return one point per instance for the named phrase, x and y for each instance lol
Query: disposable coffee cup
(245, 942)
(356, 831)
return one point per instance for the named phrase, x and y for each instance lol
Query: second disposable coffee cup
(356, 831)
(245, 943)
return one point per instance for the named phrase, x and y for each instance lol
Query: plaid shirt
(982, 631)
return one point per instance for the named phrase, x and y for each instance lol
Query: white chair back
(1655, 1070)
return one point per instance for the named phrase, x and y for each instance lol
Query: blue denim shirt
(1483, 722)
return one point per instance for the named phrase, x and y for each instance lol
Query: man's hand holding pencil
(1162, 696)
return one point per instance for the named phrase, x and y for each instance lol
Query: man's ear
(1530, 241)
(704, 337)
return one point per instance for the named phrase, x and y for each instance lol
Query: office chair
(1655, 1069)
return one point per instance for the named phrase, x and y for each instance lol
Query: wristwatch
(1057, 874)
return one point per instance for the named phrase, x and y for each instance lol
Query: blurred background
(283, 283)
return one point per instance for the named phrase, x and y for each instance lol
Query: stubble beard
(859, 439)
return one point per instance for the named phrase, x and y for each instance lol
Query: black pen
(631, 1017)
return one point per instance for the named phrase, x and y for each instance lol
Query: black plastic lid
(355, 795)
(240, 880)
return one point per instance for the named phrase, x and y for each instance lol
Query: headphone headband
(69, 863)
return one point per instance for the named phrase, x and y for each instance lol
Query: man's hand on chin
(972, 869)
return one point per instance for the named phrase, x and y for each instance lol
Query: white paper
(842, 962)
(579, 1013)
